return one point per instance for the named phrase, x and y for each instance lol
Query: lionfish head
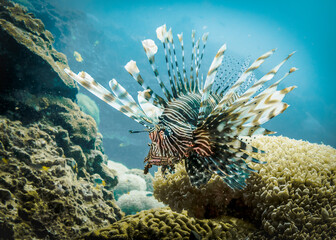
(161, 152)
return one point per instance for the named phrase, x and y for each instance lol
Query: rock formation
(54, 182)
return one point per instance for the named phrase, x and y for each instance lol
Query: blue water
(250, 28)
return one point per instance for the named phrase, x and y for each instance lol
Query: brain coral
(292, 196)
(163, 223)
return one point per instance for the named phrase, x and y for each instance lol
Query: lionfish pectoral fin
(122, 104)
(197, 170)
(220, 151)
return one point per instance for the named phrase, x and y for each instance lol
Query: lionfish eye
(168, 131)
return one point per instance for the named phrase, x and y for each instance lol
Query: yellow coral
(163, 223)
(292, 196)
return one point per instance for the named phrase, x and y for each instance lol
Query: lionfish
(194, 122)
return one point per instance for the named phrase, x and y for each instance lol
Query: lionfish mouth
(164, 161)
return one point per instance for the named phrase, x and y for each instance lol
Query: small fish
(5, 160)
(99, 181)
(96, 43)
(202, 122)
(149, 194)
(78, 57)
(45, 168)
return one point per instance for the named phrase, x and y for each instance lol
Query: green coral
(163, 223)
(292, 196)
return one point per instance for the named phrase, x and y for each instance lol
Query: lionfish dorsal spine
(191, 79)
(204, 40)
(217, 61)
(151, 49)
(179, 77)
(196, 53)
(185, 78)
(151, 96)
(161, 33)
(150, 109)
(127, 99)
(169, 40)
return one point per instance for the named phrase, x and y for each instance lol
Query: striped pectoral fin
(265, 106)
(226, 100)
(126, 98)
(223, 152)
(197, 170)
(99, 91)
(233, 170)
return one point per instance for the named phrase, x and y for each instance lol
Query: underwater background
(69, 168)
(107, 34)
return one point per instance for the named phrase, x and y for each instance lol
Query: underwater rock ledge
(29, 58)
(54, 179)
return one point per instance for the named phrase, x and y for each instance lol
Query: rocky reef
(54, 181)
(31, 61)
(40, 191)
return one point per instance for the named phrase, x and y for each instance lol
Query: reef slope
(54, 181)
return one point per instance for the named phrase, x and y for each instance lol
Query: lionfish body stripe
(206, 124)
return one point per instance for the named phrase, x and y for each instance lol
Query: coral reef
(127, 183)
(41, 195)
(148, 177)
(292, 196)
(163, 223)
(134, 191)
(211, 200)
(77, 134)
(31, 61)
